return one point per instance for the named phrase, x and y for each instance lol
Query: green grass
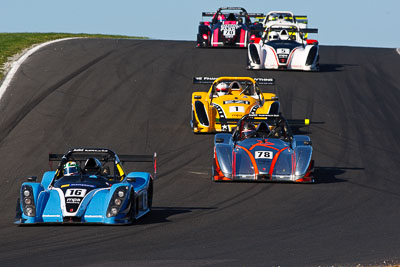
(13, 43)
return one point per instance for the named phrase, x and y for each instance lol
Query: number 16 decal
(264, 154)
(76, 192)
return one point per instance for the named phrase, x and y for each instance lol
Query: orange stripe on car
(271, 169)
(242, 35)
(266, 144)
(253, 161)
(307, 177)
(276, 58)
(294, 162)
(220, 175)
(215, 38)
(290, 56)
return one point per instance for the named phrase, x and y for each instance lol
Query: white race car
(285, 46)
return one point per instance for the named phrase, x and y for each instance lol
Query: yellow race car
(228, 99)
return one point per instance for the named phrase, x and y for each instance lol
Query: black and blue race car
(230, 27)
(263, 148)
(88, 186)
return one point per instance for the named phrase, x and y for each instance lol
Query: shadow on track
(156, 215)
(334, 67)
(304, 129)
(161, 214)
(324, 175)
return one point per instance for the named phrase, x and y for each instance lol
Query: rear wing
(252, 15)
(301, 19)
(299, 29)
(208, 14)
(204, 80)
(82, 156)
(122, 158)
(256, 15)
(210, 80)
(309, 30)
(272, 117)
(141, 158)
(138, 158)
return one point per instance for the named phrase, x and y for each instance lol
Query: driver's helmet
(249, 130)
(222, 89)
(71, 168)
(231, 17)
(284, 35)
(92, 166)
(221, 17)
(273, 36)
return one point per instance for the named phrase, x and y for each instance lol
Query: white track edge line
(16, 64)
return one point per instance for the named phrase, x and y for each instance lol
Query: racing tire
(133, 208)
(150, 195)
(18, 211)
(248, 63)
(254, 54)
(312, 56)
(275, 108)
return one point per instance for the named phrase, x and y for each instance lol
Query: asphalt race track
(133, 96)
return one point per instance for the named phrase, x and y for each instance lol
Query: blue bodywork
(272, 153)
(85, 198)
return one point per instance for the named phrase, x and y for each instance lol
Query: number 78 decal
(264, 154)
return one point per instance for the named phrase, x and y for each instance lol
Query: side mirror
(131, 179)
(105, 171)
(32, 179)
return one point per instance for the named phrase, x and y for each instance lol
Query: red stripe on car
(215, 37)
(242, 36)
(271, 169)
(253, 161)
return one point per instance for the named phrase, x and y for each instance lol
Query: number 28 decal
(75, 192)
(264, 154)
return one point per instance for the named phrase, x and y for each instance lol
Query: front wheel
(150, 195)
(18, 211)
(133, 208)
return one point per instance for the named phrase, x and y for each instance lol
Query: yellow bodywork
(224, 111)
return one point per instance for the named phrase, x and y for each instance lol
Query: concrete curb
(16, 64)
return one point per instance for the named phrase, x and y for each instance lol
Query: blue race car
(268, 152)
(89, 186)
